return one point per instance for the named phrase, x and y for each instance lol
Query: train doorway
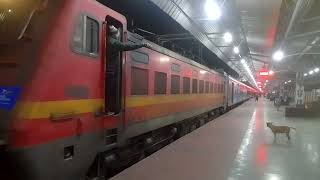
(113, 66)
(232, 93)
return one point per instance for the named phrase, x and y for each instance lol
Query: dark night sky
(145, 15)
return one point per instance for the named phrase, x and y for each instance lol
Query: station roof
(258, 28)
(298, 36)
(252, 24)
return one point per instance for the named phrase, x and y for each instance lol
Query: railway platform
(238, 146)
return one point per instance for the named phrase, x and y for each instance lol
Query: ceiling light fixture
(203, 72)
(278, 55)
(246, 67)
(164, 59)
(212, 10)
(227, 37)
(236, 50)
(316, 70)
(311, 72)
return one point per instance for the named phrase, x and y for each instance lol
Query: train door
(232, 93)
(113, 68)
(229, 93)
(226, 89)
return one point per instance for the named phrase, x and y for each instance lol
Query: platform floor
(238, 146)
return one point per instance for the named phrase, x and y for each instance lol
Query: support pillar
(299, 95)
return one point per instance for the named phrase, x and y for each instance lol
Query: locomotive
(59, 120)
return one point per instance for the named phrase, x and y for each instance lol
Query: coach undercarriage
(111, 162)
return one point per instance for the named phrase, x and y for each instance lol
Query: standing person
(277, 102)
(257, 98)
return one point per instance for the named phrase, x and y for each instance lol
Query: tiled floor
(238, 146)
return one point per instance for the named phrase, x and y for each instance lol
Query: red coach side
(163, 88)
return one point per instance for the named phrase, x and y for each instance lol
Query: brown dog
(280, 129)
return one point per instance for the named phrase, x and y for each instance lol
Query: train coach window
(211, 87)
(207, 87)
(186, 85)
(160, 83)
(175, 84)
(139, 81)
(92, 36)
(77, 40)
(215, 87)
(86, 36)
(194, 86)
(201, 86)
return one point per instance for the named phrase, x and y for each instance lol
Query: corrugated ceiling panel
(181, 11)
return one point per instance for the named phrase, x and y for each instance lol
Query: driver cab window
(86, 36)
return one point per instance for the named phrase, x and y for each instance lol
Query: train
(69, 110)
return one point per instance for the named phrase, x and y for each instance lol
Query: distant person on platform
(257, 98)
(277, 102)
(115, 43)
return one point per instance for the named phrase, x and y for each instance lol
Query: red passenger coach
(163, 88)
(72, 109)
(237, 92)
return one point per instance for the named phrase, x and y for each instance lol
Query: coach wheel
(211, 114)
(142, 156)
(193, 127)
(216, 113)
(228, 108)
(202, 122)
(182, 130)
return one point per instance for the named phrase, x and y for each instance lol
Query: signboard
(8, 97)
(264, 73)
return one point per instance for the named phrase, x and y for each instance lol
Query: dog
(280, 129)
